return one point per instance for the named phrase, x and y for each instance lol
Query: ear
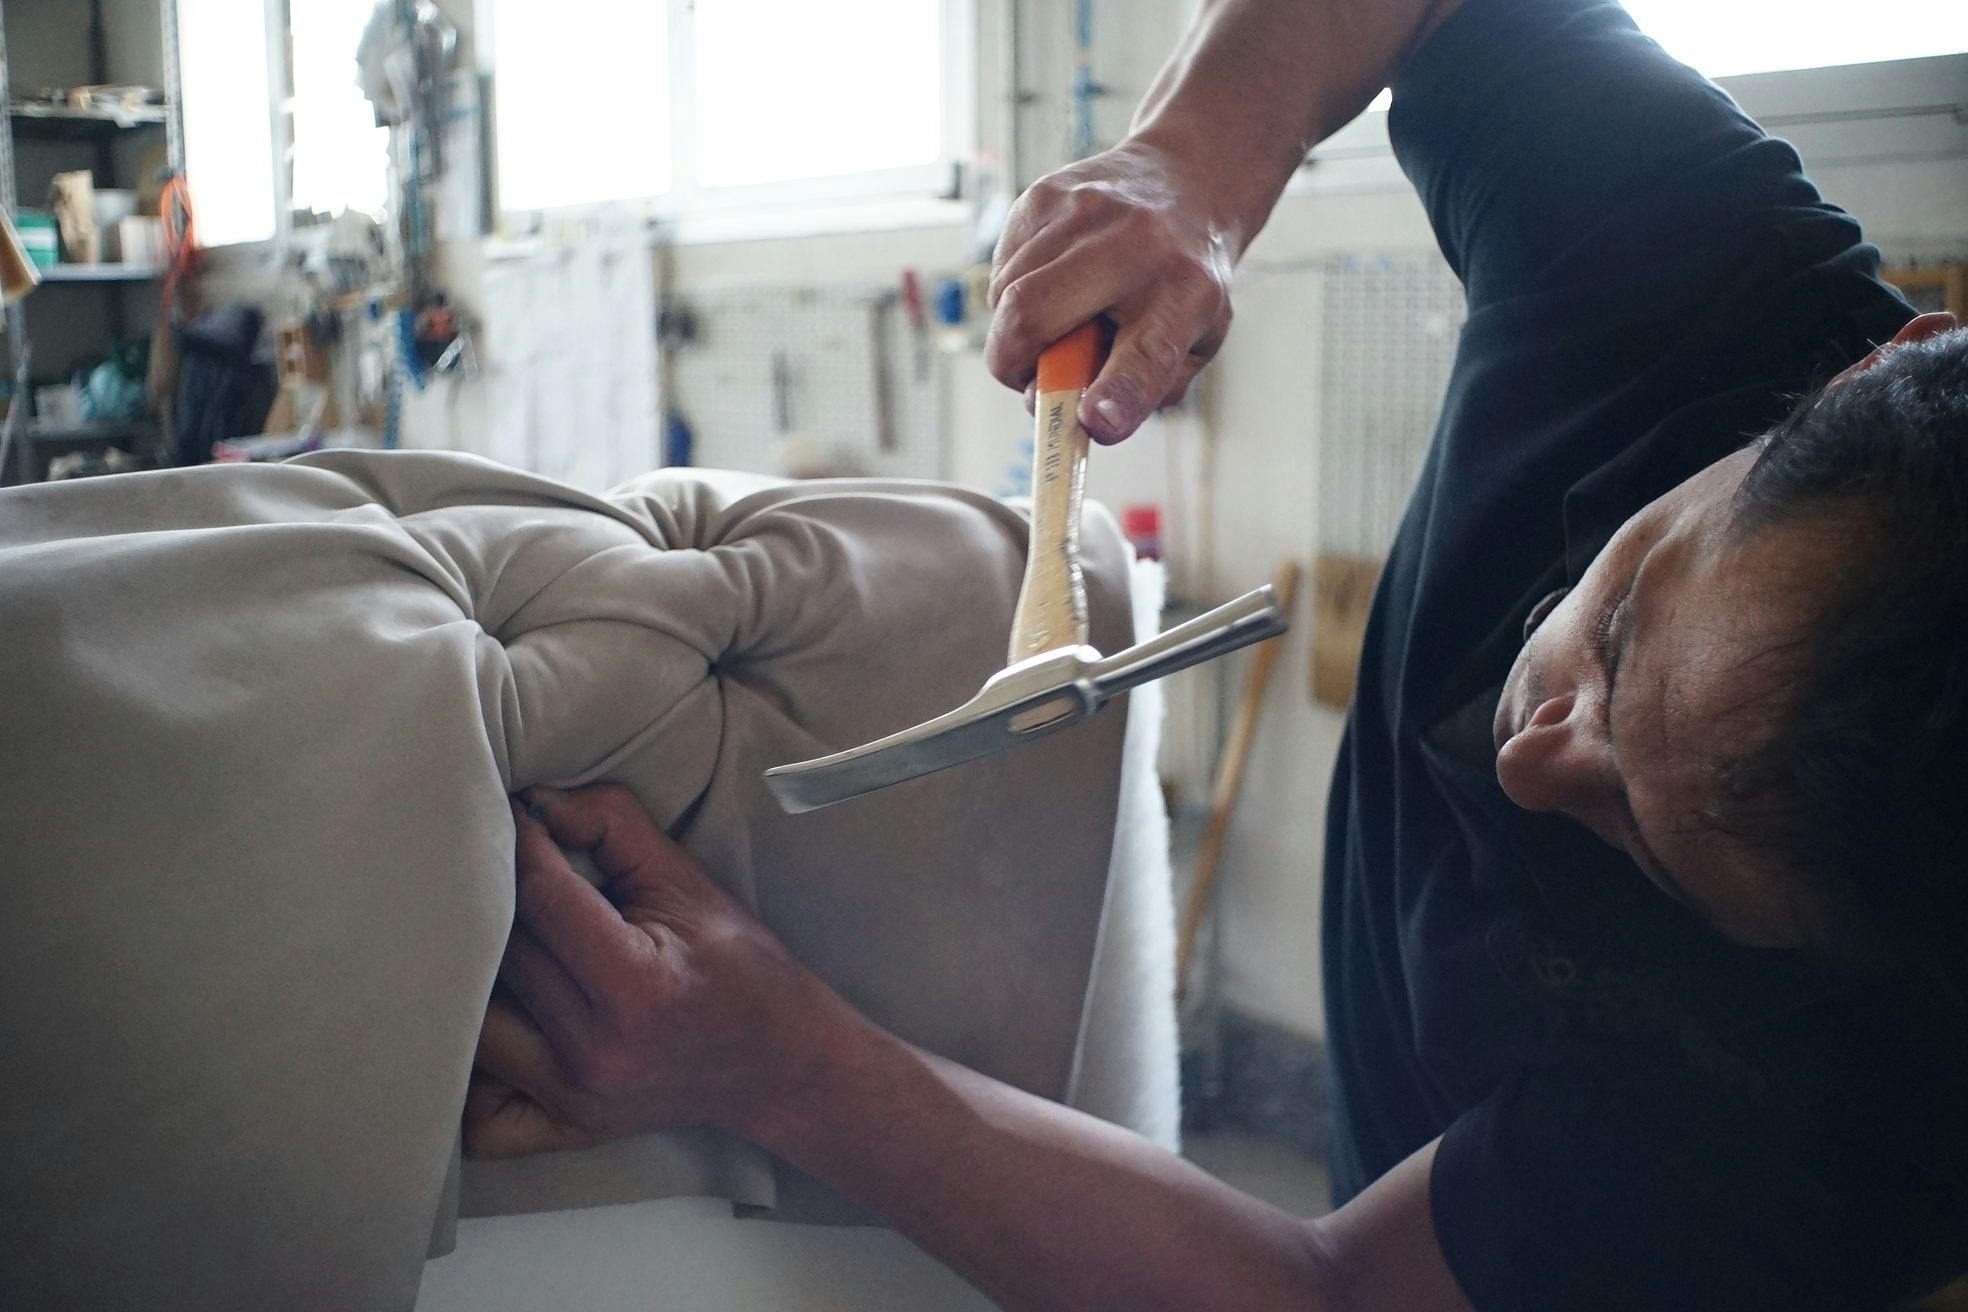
(1919, 329)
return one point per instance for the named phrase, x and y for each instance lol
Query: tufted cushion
(260, 725)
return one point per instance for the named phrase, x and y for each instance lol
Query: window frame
(1891, 109)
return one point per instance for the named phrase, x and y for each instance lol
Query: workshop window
(1766, 36)
(340, 154)
(274, 123)
(228, 118)
(705, 106)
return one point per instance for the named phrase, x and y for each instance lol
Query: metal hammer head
(1035, 697)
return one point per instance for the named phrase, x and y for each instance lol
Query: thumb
(1145, 364)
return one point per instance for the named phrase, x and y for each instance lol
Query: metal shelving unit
(101, 273)
(96, 130)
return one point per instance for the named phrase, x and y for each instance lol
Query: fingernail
(1113, 417)
(537, 810)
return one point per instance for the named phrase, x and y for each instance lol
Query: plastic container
(38, 237)
(1141, 524)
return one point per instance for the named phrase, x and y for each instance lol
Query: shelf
(39, 122)
(100, 273)
(87, 434)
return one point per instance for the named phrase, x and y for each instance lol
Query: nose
(1560, 761)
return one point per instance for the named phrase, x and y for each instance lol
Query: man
(1644, 901)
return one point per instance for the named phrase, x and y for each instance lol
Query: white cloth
(260, 724)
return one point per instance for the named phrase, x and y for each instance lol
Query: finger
(1041, 248)
(512, 1049)
(638, 858)
(1149, 360)
(541, 983)
(500, 1121)
(1029, 214)
(566, 914)
(1086, 279)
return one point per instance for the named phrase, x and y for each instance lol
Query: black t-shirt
(1635, 1113)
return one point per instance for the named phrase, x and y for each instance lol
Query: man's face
(1667, 661)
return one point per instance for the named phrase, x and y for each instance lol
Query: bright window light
(583, 102)
(796, 89)
(228, 122)
(1722, 38)
(341, 155)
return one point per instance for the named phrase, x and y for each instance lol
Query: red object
(1142, 525)
(912, 300)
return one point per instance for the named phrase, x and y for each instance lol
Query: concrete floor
(1275, 1172)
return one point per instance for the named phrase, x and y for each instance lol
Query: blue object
(679, 442)
(950, 306)
(114, 393)
(406, 347)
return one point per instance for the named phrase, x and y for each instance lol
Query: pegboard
(798, 379)
(1388, 342)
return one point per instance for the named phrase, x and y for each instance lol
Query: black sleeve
(1553, 143)
(1626, 1182)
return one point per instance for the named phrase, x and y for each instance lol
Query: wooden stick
(1230, 781)
(1052, 604)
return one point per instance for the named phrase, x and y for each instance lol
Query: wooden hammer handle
(1052, 604)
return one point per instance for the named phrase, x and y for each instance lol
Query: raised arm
(664, 1003)
(1146, 233)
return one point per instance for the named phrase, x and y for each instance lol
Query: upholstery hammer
(1054, 679)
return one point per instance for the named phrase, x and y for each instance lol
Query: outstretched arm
(661, 1002)
(1146, 233)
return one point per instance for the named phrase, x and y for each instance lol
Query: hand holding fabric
(654, 1002)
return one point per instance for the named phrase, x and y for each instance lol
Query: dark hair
(1864, 785)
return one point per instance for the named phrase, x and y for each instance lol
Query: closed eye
(1606, 643)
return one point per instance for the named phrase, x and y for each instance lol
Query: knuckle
(1085, 201)
(1014, 308)
(1195, 272)
(1160, 348)
(1046, 190)
(1142, 226)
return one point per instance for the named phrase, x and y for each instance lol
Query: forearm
(1255, 84)
(1038, 1205)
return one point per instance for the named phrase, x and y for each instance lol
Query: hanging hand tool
(1054, 679)
(912, 306)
